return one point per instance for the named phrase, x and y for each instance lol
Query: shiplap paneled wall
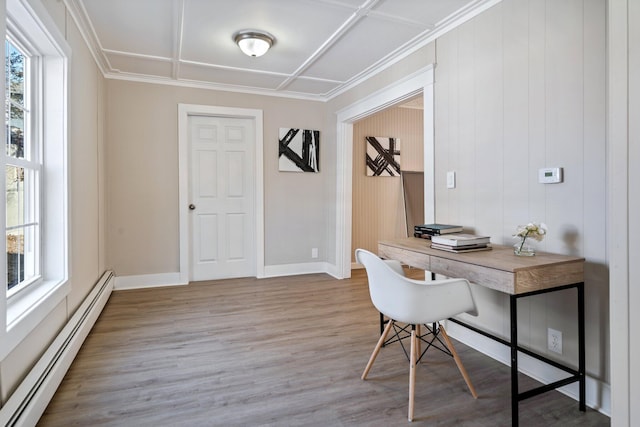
(378, 210)
(518, 88)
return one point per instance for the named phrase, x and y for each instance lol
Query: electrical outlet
(554, 340)
(314, 252)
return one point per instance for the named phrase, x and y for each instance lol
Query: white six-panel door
(221, 197)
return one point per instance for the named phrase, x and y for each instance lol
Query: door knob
(192, 206)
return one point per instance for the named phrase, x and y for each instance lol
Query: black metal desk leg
(513, 302)
(581, 348)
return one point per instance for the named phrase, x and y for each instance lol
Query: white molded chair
(414, 302)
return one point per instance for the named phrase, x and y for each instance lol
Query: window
(35, 197)
(22, 169)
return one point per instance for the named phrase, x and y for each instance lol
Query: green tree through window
(15, 88)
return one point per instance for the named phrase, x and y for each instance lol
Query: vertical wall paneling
(594, 129)
(489, 108)
(634, 199)
(463, 84)
(519, 88)
(564, 108)
(442, 112)
(515, 143)
(565, 147)
(536, 112)
(449, 133)
(594, 176)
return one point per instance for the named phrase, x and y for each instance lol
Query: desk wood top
(498, 268)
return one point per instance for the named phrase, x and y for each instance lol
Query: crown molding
(78, 14)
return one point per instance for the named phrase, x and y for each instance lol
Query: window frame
(24, 311)
(32, 158)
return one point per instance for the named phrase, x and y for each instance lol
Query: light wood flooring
(275, 352)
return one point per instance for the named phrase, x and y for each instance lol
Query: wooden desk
(501, 270)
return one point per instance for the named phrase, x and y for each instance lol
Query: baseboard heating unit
(29, 401)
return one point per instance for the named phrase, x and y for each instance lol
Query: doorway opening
(387, 178)
(420, 82)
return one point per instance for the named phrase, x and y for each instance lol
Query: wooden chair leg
(463, 371)
(412, 371)
(376, 350)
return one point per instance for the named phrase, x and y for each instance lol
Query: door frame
(414, 84)
(184, 111)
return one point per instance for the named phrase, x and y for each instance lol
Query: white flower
(534, 230)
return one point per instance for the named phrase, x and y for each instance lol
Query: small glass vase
(523, 249)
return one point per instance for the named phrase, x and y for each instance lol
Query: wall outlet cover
(554, 340)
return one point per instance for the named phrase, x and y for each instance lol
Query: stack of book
(460, 243)
(426, 231)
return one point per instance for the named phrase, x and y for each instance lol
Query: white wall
(518, 88)
(142, 176)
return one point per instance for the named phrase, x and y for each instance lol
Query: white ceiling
(323, 47)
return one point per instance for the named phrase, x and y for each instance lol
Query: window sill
(30, 307)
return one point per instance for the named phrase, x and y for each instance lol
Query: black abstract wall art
(299, 150)
(383, 156)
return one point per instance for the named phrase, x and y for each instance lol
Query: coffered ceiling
(322, 47)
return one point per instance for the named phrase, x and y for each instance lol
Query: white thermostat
(550, 175)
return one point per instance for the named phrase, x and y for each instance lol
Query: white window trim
(34, 162)
(25, 310)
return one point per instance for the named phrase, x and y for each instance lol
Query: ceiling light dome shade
(254, 43)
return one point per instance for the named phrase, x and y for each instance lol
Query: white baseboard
(598, 393)
(173, 279)
(297, 269)
(30, 399)
(147, 281)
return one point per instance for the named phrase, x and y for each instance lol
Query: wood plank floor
(275, 352)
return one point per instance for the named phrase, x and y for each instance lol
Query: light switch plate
(451, 179)
(550, 175)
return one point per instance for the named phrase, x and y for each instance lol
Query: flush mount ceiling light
(254, 43)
